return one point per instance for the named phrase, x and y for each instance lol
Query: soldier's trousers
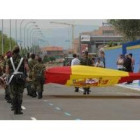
(16, 93)
(37, 86)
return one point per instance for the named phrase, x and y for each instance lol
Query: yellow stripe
(105, 77)
(133, 47)
(111, 48)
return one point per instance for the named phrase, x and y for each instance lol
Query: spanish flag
(86, 76)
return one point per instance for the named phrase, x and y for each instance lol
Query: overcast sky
(56, 34)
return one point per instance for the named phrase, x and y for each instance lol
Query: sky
(54, 34)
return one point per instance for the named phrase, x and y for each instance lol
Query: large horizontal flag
(86, 76)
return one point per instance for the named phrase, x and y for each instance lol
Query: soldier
(15, 68)
(7, 90)
(38, 77)
(31, 64)
(87, 62)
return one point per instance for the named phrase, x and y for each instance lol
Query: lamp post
(28, 32)
(32, 31)
(21, 32)
(10, 37)
(16, 30)
(68, 24)
(2, 38)
(25, 28)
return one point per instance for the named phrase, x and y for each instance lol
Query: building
(54, 51)
(91, 41)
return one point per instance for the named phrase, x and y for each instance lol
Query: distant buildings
(54, 51)
(91, 41)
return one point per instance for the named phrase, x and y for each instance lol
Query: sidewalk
(134, 86)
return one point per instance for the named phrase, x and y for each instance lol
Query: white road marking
(33, 118)
(67, 114)
(45, 100)
(57, 108)
(23, 107)
(50, 104)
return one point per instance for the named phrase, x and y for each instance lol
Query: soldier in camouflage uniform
(31, 64)
(16, 89)
(38, 77)
(7, 89)
(87, 62)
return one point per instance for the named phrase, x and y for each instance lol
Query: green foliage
(6, 43)
(130, 29)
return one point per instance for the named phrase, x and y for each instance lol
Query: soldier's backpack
(17, 77)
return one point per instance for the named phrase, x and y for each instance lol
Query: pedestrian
(38, 78)
(15, 68)
(120, 63)
(133, 61)
(93, 61)
(99, 63)
(75, 61)
(128, 65)
(31, 64)
(87, 62)
(102, 57)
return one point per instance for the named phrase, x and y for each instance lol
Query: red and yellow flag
(85, 76)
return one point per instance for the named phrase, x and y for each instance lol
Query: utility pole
(2, 39)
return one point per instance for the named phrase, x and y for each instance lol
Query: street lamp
(68, 24)
(34, 29)
(30, 27)
(2, 38)
(21, 33)
(10, 37)
(25, 28)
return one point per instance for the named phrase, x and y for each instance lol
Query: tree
(6, 43)
(130, 29)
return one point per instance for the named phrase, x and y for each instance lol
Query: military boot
(39, 95)
(15, 106)
(19, 107)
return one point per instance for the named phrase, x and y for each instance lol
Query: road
(62, 103)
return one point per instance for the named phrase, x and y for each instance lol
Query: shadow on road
(90, 97)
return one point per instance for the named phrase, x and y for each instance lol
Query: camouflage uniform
(7, 88)
(87, 62)
(38, 78)
(16, 91)
(31, 64)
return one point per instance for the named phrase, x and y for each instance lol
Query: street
(62, 103)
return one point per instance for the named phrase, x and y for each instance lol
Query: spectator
(75, 61)
(93, 61)
(102, 57)
(120, 62)
(99, 63)
(133, 61)
(128, 65)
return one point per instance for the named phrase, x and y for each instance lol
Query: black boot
(19, 107)
(76, 89)
(15, 106)
(39, 95)
(85, 91)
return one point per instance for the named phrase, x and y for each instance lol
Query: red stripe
(131, 77)
(58, 75)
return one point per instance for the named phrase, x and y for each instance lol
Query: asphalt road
(62, 103)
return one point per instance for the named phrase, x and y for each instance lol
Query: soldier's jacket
(38, 71)
(31, 64)
(1, 67)
(86, 61)
(16, 60)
